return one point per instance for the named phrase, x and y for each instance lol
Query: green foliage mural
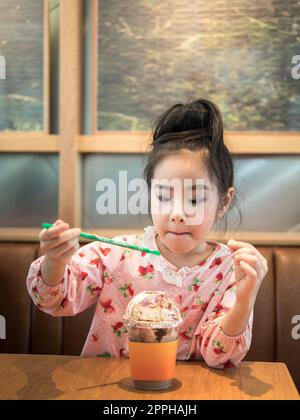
(21, 44)
(154, 53)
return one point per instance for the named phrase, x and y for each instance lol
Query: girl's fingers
(248, 269)
(248, 250)
(249, 259)
(61, 249)
(252, 259)
(58, 222)
(66, 236)
(252, 251)
(241, 247)
(260, 267)
(53, 232)
(43, 233)
(233, 244)
(256, 256)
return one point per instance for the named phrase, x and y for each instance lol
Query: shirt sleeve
(80, 286)
(218, 349)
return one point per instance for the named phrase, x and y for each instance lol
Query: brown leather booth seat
(28, 330)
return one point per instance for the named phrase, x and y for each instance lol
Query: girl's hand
(250, 270)
(59, 243)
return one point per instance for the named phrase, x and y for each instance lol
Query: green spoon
(109, 241)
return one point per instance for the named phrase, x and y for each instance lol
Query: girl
(215, 285)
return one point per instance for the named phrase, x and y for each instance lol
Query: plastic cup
(152, 357)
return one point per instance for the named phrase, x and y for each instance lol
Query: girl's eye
(163, 199)
(195, 201)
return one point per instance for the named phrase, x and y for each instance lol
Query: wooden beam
(263, 142)
(138, 142)
(239, 143)
(19, 234)
(114, 142)
(70, 58)
(259, 238)
(25, 142)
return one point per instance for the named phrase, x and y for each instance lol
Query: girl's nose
(177, 211)
(177, 218)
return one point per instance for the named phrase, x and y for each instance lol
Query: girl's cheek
(207, 219)
(198, 214)
(160, 208)
(210, 209)
(159, 220)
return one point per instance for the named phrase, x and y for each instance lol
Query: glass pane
(268, 193)
(22, 52)
(97, 167)
(153, 54)
(28, 189)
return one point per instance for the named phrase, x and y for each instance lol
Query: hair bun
(199, 121)
(184, 135)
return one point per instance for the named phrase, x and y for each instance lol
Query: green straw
(109, 241)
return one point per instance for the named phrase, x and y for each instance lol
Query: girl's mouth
(178, 234)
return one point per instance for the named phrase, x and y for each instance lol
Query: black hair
(194, 126)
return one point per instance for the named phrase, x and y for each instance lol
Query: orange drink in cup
(152, 319)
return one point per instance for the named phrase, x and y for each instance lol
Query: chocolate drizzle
(160, 333)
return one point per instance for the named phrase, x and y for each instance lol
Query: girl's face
(179, 230)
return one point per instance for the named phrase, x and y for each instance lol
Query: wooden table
(67, 377)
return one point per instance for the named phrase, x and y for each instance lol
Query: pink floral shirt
(111, 275)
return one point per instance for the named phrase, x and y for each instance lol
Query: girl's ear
(226, 202)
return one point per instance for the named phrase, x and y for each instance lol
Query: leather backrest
(264, 322)
(287, 280)
(15, 304)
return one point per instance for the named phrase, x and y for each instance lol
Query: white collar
(169, 272)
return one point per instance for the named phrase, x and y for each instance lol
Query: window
(137, 58)
(153, 54)
(22, 41)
